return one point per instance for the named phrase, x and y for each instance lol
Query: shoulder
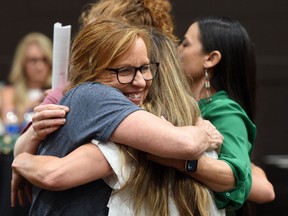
(7, 94)
(221, 103)
(92, 88)
(7, 90)
(228, 116)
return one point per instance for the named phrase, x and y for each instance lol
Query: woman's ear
(213, 59)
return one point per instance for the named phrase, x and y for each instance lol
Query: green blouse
(239, 135)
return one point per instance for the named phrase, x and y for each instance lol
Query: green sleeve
(233, 123)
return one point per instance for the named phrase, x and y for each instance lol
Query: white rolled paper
(61, 47)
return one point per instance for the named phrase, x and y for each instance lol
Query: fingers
(44, 107)
(48, 122)
(48, 115)
(47, 119)
(20, 189)
(21, 197)
(215, 137)
(14, 189)
(42, 132)
(13, 198)
(17, 189)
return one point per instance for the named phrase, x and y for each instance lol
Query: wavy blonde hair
(17, 75)
(156, 13)
(169, 96)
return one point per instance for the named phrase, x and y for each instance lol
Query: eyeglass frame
(34, 61)
(116, 71)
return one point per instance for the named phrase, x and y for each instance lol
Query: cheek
(112, 81)
(147, 88)
(192, 65)
(47, 71)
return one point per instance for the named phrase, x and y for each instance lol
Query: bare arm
(140, 130)
(144, 131)
(215, 174)
(262, 190)
(47, 119)
(49, 172)
(83, 165)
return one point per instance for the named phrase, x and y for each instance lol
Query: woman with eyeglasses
(29, 77)
(108, 109)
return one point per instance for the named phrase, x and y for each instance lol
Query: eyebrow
(130, 65)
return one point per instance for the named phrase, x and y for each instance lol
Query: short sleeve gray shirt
(95, 112)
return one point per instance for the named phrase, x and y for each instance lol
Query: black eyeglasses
(127, 74)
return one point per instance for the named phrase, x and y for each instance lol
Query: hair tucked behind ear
(236, 72)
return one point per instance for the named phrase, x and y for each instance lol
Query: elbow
(270, 196)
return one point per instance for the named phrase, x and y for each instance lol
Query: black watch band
(191, 165)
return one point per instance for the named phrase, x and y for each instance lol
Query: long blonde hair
(17, 75)
(169, 96)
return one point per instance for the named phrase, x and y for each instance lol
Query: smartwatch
(191, 165)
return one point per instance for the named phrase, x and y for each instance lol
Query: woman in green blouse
(218, 55)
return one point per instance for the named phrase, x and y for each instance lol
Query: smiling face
(136, 56)
(191, 54)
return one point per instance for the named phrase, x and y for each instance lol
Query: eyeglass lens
(127, 74)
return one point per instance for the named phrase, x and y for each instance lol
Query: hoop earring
(207, 86)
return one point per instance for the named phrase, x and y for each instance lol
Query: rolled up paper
(61, 47)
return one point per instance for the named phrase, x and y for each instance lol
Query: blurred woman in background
(29, 77)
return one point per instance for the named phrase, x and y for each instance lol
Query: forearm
(81, 166)
(144, 131)
(215, 174)
(27, 142)
(262, 190)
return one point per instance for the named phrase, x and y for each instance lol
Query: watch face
(191, 165)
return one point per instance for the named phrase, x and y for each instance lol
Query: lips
(134, 97)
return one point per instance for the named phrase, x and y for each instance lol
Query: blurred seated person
(29, 77)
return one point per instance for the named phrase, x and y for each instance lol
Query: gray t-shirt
(95, 112)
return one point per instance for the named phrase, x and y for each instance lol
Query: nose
(139, 80)
(39, 65)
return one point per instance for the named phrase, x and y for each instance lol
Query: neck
(200, 92)
(35, 85)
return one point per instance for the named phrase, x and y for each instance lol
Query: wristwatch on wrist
(191, 165)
